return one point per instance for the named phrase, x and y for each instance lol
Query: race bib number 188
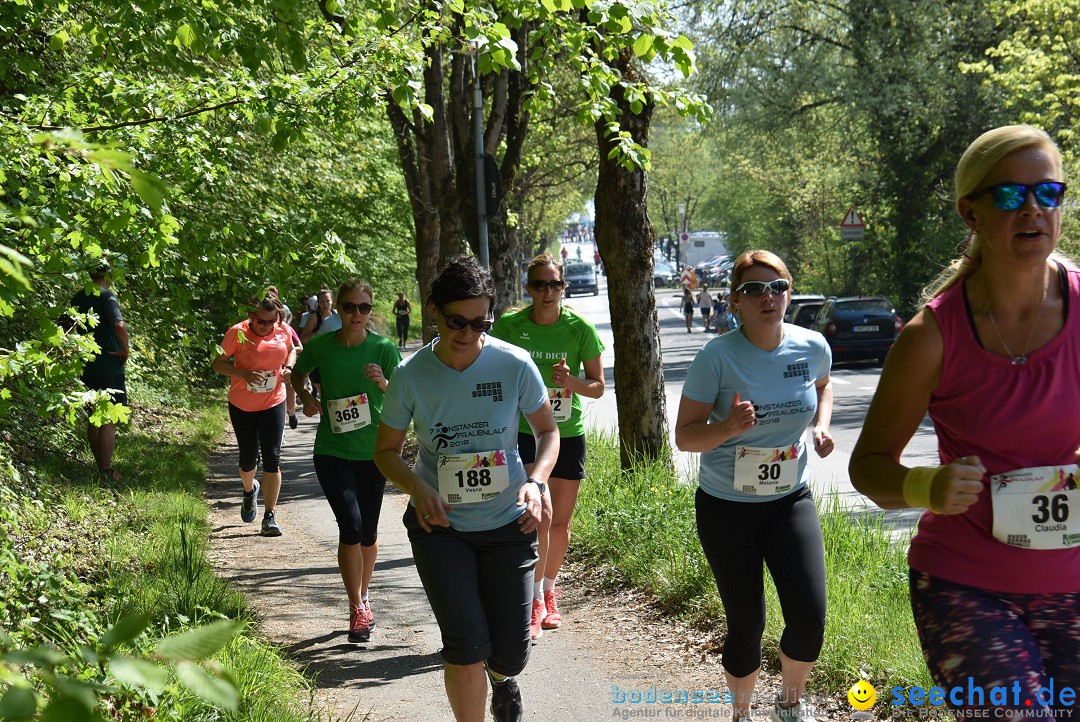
(470, 478)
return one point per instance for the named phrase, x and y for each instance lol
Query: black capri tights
(259, 429)
(355, 492)
(785, 534)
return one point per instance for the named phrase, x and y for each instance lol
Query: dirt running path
(606, 642)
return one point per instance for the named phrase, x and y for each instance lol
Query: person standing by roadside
(106, 370)
(262, 357)
(747, 400)
(402, 309)
(992, 357)
(561, 343)
(688, 308)
(356, 364)
(473, 510)
(704, 300)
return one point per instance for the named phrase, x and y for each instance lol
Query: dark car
(802, 308)
(858, 327)
(580, 278)
(805, 313)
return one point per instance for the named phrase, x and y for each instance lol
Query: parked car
(580, 278)
(802, 308)
(664, 274)
(858, 327)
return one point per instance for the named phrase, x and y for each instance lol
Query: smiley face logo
(862, 695)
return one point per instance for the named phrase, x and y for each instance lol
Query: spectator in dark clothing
(106, 370)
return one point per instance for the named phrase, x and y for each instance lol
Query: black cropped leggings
(785, 534)
(257, 430)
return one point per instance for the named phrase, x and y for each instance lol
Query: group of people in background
(496, 410)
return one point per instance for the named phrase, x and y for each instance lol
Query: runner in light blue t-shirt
(473, 511)
(746, 403)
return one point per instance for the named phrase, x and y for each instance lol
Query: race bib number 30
(1034, 508)
(764, 471)
(267, 382)
(349, 414)
(562, 403)
(471, 478)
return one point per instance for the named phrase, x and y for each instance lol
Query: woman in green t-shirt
(355, 364)
(561, 343)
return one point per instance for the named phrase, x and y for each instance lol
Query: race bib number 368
(1037, 508)
(349, 414)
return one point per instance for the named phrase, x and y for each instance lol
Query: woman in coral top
(993, 358)
(262, 356)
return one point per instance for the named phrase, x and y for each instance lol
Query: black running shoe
(506, 703)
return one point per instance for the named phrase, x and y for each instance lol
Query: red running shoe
(553, 619)
(535, 629)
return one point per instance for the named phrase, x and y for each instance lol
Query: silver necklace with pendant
(1022, 358)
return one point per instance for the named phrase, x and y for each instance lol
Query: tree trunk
(625, 240)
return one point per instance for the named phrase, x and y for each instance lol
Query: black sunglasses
(541, 286)
(757, 288)
(350, 307)
(456, 323)
(1010, 196)
(264, 321)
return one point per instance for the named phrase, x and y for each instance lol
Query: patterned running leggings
(979, 640)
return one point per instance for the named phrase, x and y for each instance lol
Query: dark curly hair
(461, 278)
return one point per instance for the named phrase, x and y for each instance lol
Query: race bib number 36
(562, 403)
(764, 471)
(470, 478)
(1035, 508)
(349, 414)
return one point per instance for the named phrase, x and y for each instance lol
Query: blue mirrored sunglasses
(1010, 196)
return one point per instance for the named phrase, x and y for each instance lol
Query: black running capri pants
(402, 325)
(354, 489)
(259, 429)
(785, 534)
(571, 462)
(479, 585)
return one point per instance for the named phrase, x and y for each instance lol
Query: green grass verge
(76, 555)
(639, 529)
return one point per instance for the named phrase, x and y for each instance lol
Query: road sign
(688, 277)
(852, 228)
(684, 236)
(852, 219)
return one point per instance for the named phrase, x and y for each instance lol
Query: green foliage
(205, 151)
(110, 606)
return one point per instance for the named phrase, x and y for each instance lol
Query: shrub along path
(607, 640)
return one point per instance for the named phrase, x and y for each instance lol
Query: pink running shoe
(359, 631)
(553, 619)
(535, 629)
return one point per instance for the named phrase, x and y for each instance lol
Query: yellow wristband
(917, 486)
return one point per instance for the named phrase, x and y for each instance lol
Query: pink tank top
(1012, 417)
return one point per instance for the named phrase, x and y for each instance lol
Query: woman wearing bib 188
(748, 397)
(473, 509)
(355, 364)
(560, 342)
